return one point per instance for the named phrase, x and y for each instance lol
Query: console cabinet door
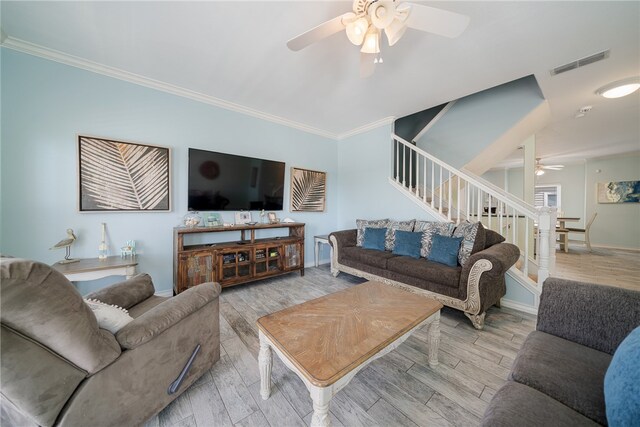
(292, 255)
(234, 266)
(195, 268)
(267, 260)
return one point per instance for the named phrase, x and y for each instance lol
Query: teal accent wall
(476, 121)
(45, 105)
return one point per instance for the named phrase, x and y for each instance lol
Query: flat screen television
(226, 182)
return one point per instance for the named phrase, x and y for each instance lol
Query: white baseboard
(614, 247)
(514, 305)
(168, 293)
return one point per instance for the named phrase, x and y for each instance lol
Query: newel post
(547, 238)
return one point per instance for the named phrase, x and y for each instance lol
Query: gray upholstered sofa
(472, 288)
(557, 378)
(59, 368)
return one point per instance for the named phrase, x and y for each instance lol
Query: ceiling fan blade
(436, 21)
(318, 33)
(367, 66)
(553, 167)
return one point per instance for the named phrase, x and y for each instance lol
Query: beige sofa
(59, 368)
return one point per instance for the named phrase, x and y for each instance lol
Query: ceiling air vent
(581, 62)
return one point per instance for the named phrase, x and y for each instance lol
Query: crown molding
(366, 128)
(74, 61)
(116, 73)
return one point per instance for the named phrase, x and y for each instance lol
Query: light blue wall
(363, 180)
(46, 104)
(616, 225)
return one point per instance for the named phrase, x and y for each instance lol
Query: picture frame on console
(273, 219)
(243, 217)
(214, 219)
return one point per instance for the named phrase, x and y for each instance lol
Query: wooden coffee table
(326, 341)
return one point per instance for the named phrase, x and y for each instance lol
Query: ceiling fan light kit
(371, 41)
(356, 30)
(370, 17)
(620, 88)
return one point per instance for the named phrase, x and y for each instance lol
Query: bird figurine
(66, 243)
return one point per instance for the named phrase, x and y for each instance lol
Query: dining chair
(584, 230)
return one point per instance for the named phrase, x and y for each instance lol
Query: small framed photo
(243, 217)
(213, 219)
(272, 218)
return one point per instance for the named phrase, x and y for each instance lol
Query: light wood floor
(399, 389)
(613, 267)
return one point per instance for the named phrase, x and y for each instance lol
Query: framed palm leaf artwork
(122, 176)
(308, 190)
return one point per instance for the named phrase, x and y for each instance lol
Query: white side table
(94, 268)
(317, 240)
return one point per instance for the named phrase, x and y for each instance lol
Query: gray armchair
(59, 368)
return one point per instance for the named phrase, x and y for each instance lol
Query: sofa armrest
(593, 315)
(160, 318)
(344, 238)
(492, 284)
(127, 293)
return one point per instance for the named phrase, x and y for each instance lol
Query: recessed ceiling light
(620, 88)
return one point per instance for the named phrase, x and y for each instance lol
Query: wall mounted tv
(226, 182)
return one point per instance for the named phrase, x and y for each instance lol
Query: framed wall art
(308, 190)
(122, 176)
(619, 192)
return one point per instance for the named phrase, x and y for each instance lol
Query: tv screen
(226, 182)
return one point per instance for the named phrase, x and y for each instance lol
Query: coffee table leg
(434, 340)
(321, 398)
(265, 360)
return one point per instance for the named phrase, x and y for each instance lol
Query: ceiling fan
(540, 167)
(370, 17)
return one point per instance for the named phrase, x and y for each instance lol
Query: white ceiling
(236, 51)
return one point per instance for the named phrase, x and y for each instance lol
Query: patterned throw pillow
(361, 224)
(390, 239)
(473, 235)
(429, 229)
(110, 317)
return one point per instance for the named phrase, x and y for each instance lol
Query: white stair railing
(454, 195)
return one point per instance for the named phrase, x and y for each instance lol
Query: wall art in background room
(122, 176)
(308, 190)
(619, 192)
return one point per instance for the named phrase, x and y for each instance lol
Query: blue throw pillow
(445, 250)
(622, 383)
(374, 238)
(408, 243)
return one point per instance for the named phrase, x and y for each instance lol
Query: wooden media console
(238, 261)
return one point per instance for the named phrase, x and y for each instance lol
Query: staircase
(454, 195)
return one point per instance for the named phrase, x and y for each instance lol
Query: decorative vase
(103, 249)
(192, 219)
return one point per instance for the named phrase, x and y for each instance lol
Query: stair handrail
(495, 192)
